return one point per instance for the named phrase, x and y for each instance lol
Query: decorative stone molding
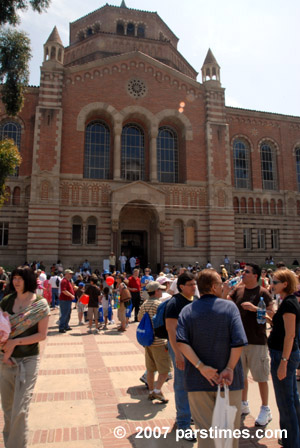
(96, 108)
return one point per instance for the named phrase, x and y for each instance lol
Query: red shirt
(134, 283)
(65, 285)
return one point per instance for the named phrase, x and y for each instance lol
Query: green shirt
(7, 304)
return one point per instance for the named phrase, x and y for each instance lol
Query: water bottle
(234, 282)
(261, 312)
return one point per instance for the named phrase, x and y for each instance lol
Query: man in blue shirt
(211, 336)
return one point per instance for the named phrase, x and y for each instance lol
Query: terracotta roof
(210, 59)
(54, 36)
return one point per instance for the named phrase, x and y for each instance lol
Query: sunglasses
(246, 271)
(275, 282)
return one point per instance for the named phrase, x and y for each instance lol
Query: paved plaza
(88, 387)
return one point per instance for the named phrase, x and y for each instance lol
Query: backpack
(57, 282)
(144, 331)
(159, 322)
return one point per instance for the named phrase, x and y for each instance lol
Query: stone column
(153, 154)
(117, 152)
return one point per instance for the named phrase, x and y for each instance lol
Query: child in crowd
(105, 297)
(80, 306)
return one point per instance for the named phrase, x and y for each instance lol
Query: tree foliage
(15, 53)
(9, 9)
(10, 159)
(14, 72)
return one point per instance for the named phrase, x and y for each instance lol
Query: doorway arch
(139, 233)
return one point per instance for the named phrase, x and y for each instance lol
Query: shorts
(256, 359)
(93, 312)
(157, 359)
(80, 307)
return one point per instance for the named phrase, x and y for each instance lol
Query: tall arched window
(120, 28)
(91, 230)
(96, 151)
(130, 29)
(178, 233)
(241, 162)
(141, 31)
(133, 153)
(268, 167)
(167, 155)
(77, 230)
(11, 129)
(297, 152)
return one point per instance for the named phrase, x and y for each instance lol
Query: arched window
(243, 205)
(297, 152)
(167, 155)
(268, 167)
(130, 29)
(236, 205)
(76, 230)
(250, 205)
(191, 234)
(120, 29)
(96, 152)
(141, 31)
(91, 230)
(11, 129)
(178, 233)
(133, 153)
(241, 162)
(16, 200)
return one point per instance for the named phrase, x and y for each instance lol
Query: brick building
(124, 150)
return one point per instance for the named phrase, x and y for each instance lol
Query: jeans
(16, 385)
(65, 313)
(54, 297)
(287, 398)
(183, 413)
(136, 303)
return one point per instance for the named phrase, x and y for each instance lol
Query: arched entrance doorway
(139, 235)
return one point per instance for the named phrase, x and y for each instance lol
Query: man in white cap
(156, 356)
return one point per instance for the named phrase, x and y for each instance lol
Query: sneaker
(159, 396)
(189, 435)
(245, 410)
(143, 379)
(89, 331)
(150, 396)
(62, 331)
(169, 377)
(264, 417)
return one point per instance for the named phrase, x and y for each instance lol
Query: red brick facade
(122, 67)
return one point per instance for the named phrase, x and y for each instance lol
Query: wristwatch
(284, 359)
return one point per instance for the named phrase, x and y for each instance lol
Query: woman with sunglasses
(284, 352)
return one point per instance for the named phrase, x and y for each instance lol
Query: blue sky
(256, 43)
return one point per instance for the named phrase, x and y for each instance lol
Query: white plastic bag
(4, 327)
(223, 418)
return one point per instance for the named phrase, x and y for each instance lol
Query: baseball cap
(80, 284)
(69, 271)
(153, 286)
(163, 279)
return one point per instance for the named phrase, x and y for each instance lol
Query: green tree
(15, 53)
(14, 57)
(10, 159)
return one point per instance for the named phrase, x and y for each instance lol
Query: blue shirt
(211, 326)
(146, 279)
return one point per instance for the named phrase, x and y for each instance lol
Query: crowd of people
(212, 335)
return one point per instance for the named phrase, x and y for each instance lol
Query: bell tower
(218, 163)
(45, 179)
(211, 69)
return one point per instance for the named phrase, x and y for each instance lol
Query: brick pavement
(88, 385)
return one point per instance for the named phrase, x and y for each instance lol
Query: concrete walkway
(88, 392)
